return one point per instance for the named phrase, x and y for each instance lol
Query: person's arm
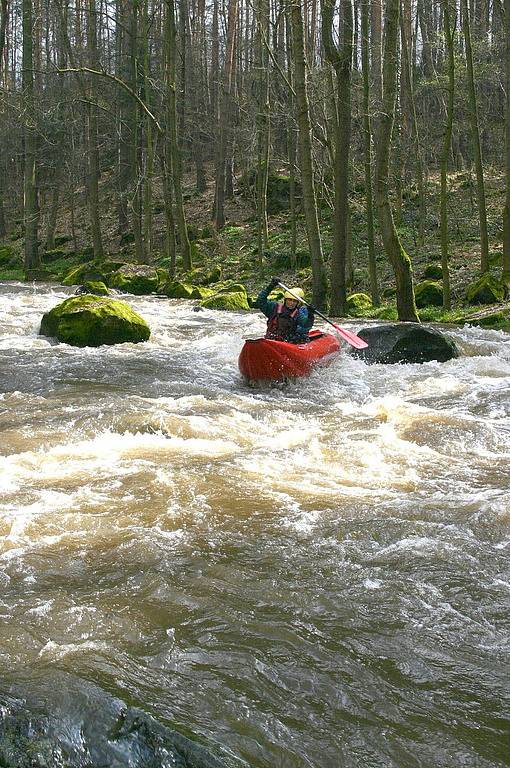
(262, 302)
(304, 323)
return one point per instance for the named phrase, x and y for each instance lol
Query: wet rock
(174, 289)
(486, 290)
(91, 321)
(94, 288)
(231, 297)
(89, 729)
(139, 279)
(404, 343)
(429, 293)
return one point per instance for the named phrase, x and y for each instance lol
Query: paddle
(350, 338)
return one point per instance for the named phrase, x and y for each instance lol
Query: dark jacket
(303, 319)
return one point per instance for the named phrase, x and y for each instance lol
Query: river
(313, 576)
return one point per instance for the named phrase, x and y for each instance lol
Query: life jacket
(282, 325)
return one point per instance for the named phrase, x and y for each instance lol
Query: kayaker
(289, 320)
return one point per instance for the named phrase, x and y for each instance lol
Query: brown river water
(313, 576)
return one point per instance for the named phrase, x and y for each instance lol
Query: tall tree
(92, 139)
(475, 139)
(341, 60)
(31, 206)
(367, 152)
(449, 33)
(506, 212)
(400, 261)
(171, 33)
(305, 155)
(4, 17)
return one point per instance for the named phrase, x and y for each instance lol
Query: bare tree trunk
(399, 259)
(263, 125)
(367, 150)
(449, 33)
(341, 59)
(305, 156)
(506, 212)
(171, 127)
(31, 208)
(224, 131)
(475, 137)
(4, 17)
(291, 145)
(93, 151)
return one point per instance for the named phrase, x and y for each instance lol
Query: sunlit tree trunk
(263, 124)
(93, 151)
(475, 137)
(341, 60)
(449, 33)
(506, 213)
(367, 152)
(305, 156)
(400, 261)
(31, 208)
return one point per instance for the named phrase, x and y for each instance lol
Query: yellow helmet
(298, 292)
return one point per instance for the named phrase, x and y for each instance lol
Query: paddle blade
(350, 338)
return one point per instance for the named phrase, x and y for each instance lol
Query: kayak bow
(270, 360)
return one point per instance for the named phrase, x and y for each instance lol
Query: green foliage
(358, 303)
(6, 254)
(91, 321)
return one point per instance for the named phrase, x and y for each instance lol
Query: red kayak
(266, 359)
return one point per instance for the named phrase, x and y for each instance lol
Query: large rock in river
(139, 279)
(404, 343)
(90, 321)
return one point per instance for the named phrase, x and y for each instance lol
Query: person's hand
(274, 282)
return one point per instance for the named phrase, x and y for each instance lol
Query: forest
(352, 142)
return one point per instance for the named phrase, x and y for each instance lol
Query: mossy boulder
(95, 288)
(200, 276)
(429, 293)
(486, 290)
(139, 279)
(91, 321)
(433, 271)
(278, 190)
(201, 292)
(232, 302)
(357, 303)
(404, 343)
(174, 289)
(91, 270)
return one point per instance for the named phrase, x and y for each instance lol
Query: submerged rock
(405, 343)
(90, 321)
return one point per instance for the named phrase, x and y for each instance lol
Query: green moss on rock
(232, 302)
(91, 321)
(95, 288)
(429, 293)
(357, 303)
(177, 290)
(139, 279)
(433, 271)
(486, 290)
(91, 270)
